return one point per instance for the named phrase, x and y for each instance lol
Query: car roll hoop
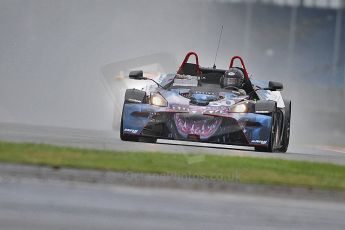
(232, 61)
(189, 68)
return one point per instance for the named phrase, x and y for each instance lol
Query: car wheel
(286, 132)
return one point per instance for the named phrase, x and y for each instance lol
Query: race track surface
(110, 140)
(40, 205)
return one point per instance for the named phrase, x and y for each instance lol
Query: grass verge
(226, 168)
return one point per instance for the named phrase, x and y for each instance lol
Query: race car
(222, 106)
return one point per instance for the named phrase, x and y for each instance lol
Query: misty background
(60, 60)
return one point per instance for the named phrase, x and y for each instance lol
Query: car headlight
(158, 100)
(240, 108)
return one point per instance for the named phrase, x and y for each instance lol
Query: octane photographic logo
(143, 178)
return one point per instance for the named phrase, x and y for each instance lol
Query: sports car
(193, 105)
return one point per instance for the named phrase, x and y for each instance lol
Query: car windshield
(186, 85)
(185, 80)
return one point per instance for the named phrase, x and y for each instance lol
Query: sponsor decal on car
(133, 131)
(259, 142)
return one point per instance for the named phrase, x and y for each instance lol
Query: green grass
(228, 168)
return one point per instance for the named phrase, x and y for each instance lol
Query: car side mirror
(275, 86)
(137, 75)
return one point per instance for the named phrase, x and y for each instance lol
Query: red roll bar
(186, 59)
(242, 63)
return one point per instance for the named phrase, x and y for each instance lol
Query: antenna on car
(220, 37)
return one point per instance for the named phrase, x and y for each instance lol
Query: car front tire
(286, 132)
